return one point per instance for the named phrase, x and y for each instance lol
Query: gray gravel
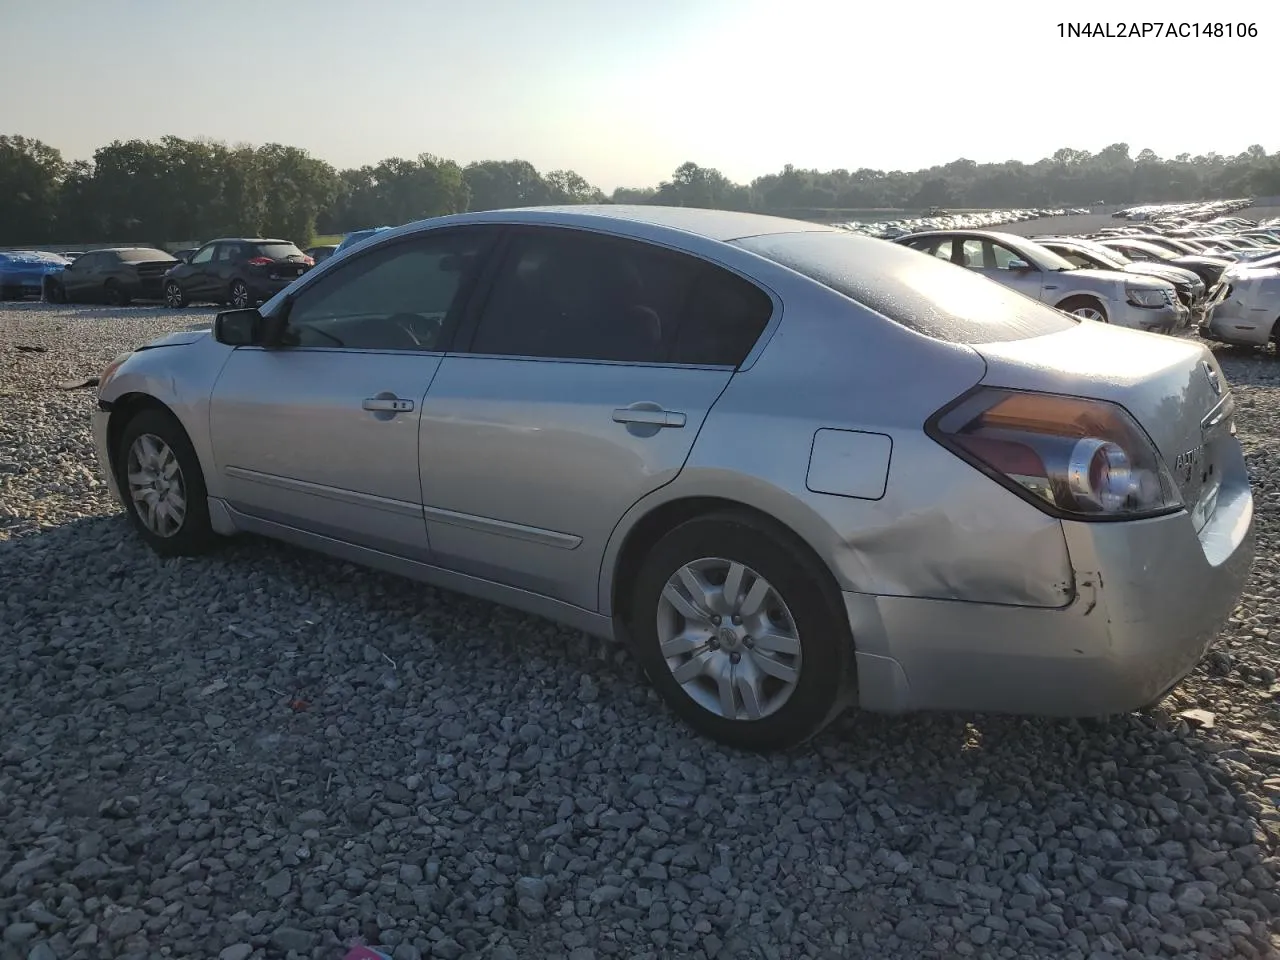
(270, 754)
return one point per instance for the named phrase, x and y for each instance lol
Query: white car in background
(1107, 296)
(1244, 307)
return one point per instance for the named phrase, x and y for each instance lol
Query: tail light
(261, 262)
(1072, 457)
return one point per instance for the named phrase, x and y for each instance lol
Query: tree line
(151, 191)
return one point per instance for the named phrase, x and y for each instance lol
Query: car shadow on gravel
(264, 691)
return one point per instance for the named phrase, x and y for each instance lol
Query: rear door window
(919, 293)
(574, 295)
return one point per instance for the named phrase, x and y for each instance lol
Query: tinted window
(396, 298)
(230, 251)
(723, 318)
(575, 295)
(918, 292)
(142, 255)
(276, 251)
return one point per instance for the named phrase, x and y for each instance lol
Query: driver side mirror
(240, 328)
(1020, 266)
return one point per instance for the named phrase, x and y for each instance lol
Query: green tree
(31, 174)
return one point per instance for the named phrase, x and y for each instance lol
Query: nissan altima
(796, 469)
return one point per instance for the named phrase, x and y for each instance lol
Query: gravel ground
(270, 754)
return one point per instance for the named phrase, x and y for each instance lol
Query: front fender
(180, 377)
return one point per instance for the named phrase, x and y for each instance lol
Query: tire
(54, 292)
(804, 609)
(174, 298)
(1086, 307)
(192, 534)
(115, 294)
(9, 293)
(240, 296)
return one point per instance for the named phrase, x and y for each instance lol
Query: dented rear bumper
(1151, 596)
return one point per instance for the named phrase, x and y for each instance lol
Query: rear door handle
(387, 404)
(649, 416)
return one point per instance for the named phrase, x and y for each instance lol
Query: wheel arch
(123, 409)
(662, 511)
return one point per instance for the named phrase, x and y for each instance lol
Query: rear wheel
(240, 298)
(1086, 307)
(162, 485)
(54, 292)
(115, 294)
(173, 295)
(735, 628)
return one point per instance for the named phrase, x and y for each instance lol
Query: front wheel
(54, 292)
(240, 298)
(736, 630)
(1085, 307)
(162, 485)
(174, 298)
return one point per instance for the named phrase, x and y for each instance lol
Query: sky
(624, 91)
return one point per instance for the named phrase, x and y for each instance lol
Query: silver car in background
(1109, 296)
(1244, 308)
(793, 467)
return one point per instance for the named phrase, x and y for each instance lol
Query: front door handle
(652, 416)
(383, 404)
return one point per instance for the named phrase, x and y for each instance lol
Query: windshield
(1040, 255)
(1141, 246)
(1108, 257)
(142, 255)
(917, 291)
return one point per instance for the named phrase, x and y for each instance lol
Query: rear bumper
(264, 288)
(1151, 596)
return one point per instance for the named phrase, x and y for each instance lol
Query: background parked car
(1111, 296)
(22, 272)
(322, 252)
(1192, 291)
(1208, 267)
(241, 271)
(113, 275)
(358, 236)
(1244, 308)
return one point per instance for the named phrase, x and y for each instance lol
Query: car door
(321, 434)
(1004, 265)
(193, 276)
(577, 389)
(77, 277)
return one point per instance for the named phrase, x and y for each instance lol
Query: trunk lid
(1174, 388)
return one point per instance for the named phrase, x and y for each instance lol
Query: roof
(723, 225)
(246, 240)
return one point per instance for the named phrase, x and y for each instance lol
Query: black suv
(240, 271)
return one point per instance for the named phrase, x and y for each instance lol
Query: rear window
(920, 292)
(277, 251)
(142, 255)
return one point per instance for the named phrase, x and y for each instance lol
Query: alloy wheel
(156, 485)
(729, 639)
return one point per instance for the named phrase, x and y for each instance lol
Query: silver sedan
(795, 468)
